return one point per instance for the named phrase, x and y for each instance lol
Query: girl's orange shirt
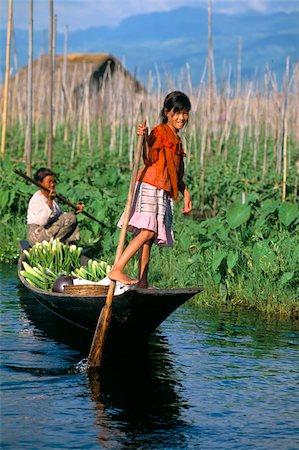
(164, 165)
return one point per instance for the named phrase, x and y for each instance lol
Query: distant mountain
(170, 40)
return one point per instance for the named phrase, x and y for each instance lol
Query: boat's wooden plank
(137, 309)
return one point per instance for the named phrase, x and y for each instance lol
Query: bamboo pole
(114, 106)
(228, 107)
(6, 85)
(64, 73)
(242, 129)
(87, 115)
(15, 89)
(266, 133)
(239, 68)
(296, 180)
(284, 180)
(28, 142)
(285, 131)
(51, 84)
(296, 102)
(256, 140)
(71, 116)
(55, 91)
(210, 75)
(1, 81)
(80, 127)
(97, 347)
(40, 100)
(59, 196)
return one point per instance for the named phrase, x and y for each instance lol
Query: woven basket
(86, 289)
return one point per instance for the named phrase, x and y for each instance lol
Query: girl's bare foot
(118, 275)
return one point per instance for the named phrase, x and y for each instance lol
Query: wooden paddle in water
(59, 196)
(99, 338)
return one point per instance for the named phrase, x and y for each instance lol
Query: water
(207, 379)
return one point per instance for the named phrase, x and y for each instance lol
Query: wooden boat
(135, 312)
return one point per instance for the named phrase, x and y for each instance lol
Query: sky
(82, 14)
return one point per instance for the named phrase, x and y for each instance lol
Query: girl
(44, 216)
(158, 183)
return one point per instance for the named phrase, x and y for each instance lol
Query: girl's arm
(187, 202)
(142, 130)
(151, 144)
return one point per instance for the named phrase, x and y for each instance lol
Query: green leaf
(5, 218)
(223, 292)
(264, 258)
(269, 206)
(206, 244)
(237, 214)
(222, 233)
(11, 197)
(287, 213)
(86, 235)
(213, 227)
(184, 244)
(96, 227)
(259, 223)
(232, 259)
(217, 259)
(4, 197)
(287, 276)
(217, 277)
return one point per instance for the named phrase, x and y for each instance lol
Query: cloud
(258, 5)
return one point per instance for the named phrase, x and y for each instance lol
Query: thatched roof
(94, 58)
(76, 77)
(77, 68)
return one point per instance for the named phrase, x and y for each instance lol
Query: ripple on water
(207, 379)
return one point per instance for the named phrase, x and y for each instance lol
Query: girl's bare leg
(144, 257)
(117, 271)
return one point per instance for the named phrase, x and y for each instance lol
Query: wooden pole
(28, 143)
(6, 85)
(242, 128)
(284, 177)
(16, 90)
(59, 196)
(51, 87)
(285, 131)
(64, 72)
(266, 133)
(239, 68)
(210, 75)
(100, 335)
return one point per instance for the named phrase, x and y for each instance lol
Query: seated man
(45, 219)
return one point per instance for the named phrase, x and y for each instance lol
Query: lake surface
(207, 379)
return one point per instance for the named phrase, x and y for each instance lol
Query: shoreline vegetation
(241, 241)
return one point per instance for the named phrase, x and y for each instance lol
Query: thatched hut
(77, 77)
(100, 67)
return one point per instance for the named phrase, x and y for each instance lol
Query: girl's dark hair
(176, 100)
(42, 173)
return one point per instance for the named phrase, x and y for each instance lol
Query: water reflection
(46, 324)
(214, 378)
(136, 394)
(138, 397)
(231, 327)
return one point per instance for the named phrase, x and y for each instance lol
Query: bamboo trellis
(258, 109)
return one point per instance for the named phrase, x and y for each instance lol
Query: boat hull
(136, 311)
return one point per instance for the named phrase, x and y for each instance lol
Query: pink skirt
(152, 209)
